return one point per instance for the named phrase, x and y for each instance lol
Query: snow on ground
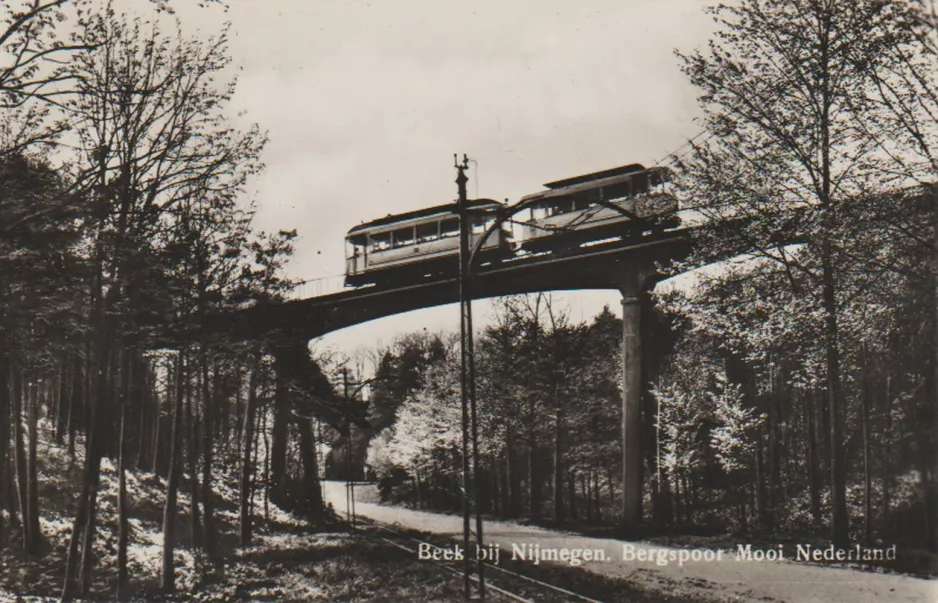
(289, 560)
(58, 495)
(783, 581)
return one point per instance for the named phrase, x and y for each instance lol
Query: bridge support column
(631, 411)
(633, 289)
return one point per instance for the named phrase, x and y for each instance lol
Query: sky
(365, 103)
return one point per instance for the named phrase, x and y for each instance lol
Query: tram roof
(611, 181)
(616, 171)
(422, 213)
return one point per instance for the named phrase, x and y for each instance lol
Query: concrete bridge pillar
(631, 412)
(633, 288)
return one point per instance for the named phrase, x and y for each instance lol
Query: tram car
(408, 247)
(568, 214)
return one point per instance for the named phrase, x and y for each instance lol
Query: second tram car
(410, 246)
(568, 213)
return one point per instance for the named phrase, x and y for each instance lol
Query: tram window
(562, 207)
(640, 185)
(449, 228)
(380, 241)
(354, 247)
(539, 213)
(403, 237)
(580, 203)
(428, 232)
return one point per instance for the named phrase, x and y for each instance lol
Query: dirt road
(662, 569)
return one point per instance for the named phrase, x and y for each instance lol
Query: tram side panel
(570, 224)
(409, 252)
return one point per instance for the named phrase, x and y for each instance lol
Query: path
(784, 581)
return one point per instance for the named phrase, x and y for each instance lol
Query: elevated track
(603, 266)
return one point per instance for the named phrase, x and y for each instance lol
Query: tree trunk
(512, 474)
(496, 495)
(597, 504)
(32, 470)
(266, 435)
(208, 446)
(678, 491)
(238, 425)
(612, 492)
(76, 394)
(760, 485)
(247, 440)
(192, 450)
(925, 460)
(63, 397)
(813, 461)
(933, 469)
(313, 500)
(689, 502)
(141, 392)
(172, 482)
(838, 476)
(665, 512)
(887, 440)
(5, 410)
(157, 443)
(84, 511)
(559, 514)
(867, 466)
(87, 545)
(96, 406)
(103, 433)
(277, 453)
(773, 451)
(19, 457)
(571, 495)
(587, 487)
(534, 484)
(122, 507)
(839, 520)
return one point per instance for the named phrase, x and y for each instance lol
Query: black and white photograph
(603, 301)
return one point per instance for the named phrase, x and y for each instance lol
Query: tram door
(354, 256)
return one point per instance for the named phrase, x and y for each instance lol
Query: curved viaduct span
(628, 266)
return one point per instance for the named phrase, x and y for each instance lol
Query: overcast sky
(365, 103)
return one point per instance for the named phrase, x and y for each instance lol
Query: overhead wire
(670, 155)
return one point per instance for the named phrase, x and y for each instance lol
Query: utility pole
(349, 481)
(470, 431)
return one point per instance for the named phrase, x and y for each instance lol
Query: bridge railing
(317, 287)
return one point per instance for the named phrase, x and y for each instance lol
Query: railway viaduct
(628, 266)
(627, 263)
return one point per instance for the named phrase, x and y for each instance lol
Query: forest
(790, 392)
(123, 213)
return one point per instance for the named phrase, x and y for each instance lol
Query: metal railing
(317, 287)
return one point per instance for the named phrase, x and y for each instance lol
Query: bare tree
(151, 136)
